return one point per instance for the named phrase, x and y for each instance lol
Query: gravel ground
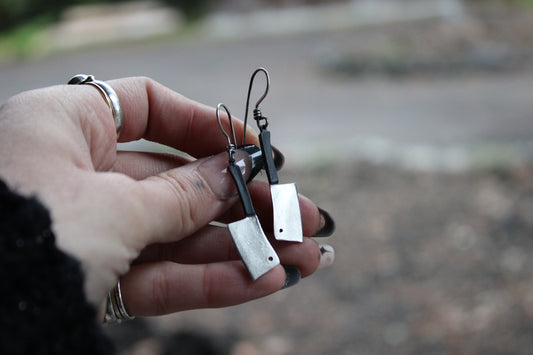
(427, 262)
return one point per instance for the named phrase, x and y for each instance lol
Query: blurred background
(411, 121)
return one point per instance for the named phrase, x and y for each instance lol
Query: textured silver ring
(115, 310)
(109, 95)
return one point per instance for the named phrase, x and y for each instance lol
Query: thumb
(180, 201)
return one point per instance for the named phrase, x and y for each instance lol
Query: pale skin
(144, 218)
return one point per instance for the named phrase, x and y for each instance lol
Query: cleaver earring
(253, 246)
(285, 202)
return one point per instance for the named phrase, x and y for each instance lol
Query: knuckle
(180, 188)
(207, 287)
(161, 291)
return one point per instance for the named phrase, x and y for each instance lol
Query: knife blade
(285, 202)
(255, 250)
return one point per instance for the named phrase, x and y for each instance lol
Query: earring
(285, 202)
(253, 246)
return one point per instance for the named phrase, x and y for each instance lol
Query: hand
(144, 218)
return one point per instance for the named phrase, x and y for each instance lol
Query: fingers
(214, 244)
(158, 114)
(210, 244)
(141, 165)
(166, 287)
(180, 201)
(162, 285)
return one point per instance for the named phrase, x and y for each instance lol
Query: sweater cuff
(43, 306)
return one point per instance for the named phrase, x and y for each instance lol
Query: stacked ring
(115, 310)
(108, 94)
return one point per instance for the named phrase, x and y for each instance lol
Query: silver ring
(109, 95)
(115, 310)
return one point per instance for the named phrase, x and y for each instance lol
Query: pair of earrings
(254, 248)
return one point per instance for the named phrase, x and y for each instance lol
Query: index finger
(159, 114)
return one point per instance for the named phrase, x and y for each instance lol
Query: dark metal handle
(246, 200)
(266, 148)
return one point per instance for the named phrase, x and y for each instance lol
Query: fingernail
(293, 276)
(279, 158)
(215, 172)
(256, 157)
(327, 256)
(327, 224)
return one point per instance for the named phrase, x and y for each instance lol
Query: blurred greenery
(192, 10)
(22, 21)
(15, 13)
(23, 39)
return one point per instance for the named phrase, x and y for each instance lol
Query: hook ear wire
(266, 88)
(263, 70)
(231, 146)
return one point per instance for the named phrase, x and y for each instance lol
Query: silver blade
(287, 215)
(253, 246)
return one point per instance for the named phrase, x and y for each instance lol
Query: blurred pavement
(436, 122)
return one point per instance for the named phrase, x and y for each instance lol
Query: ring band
(109, 95)
(115, 310)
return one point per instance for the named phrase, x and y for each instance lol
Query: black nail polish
(257, 159)
(293, 276)
(279, 158)
(327, 224)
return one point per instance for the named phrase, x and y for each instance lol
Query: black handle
(246, 200)
(266, 148)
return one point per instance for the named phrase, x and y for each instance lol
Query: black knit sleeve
(43, 309)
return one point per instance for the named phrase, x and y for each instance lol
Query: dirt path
(427, 263)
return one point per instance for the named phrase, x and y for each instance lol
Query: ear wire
(257, 111)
